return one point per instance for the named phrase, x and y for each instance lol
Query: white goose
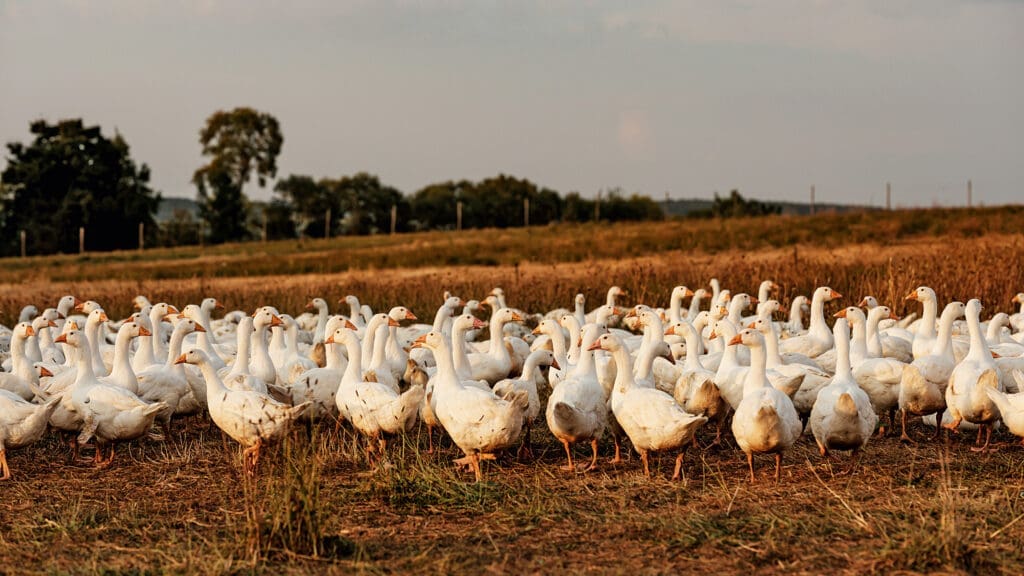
(695, 389)
(478, 422)
(651, 418)
(166, 384)
(527, 382)
(924, 338)
(818, 339)
(21, 423)
(923, 385)
(22, 377)
(966, 396)
(878, 377)
(375, 410)
(251, 419)
(108, 413)
(238, 375)
(577, 410)
(765, 420)
(842, 417)
(320, 385)
(496, 363)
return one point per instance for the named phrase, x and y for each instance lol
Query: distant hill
(168, 206)
(686, 206)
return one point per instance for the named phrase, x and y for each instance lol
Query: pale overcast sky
(682, 96)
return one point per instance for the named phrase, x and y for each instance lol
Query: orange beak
(199, 328)
(478, 323)
(30, 331)
(595, 346)
(218, 306)
(276, 320)
(737, 339)
(994, 355)
(752, 324)
(893, 316)
(1016, 299)
(309, 305)
(61, 338)
(44, 373)
(554, 364)
(687, 293)
(51, 324)
(670, 331)
(172, 310)
(840, 314)
(144, 332)
(863, 303)
(410, 316)
(911, 296)
(631, 313)
(536, 331)
(79, 306)
(515, 317)
(350, 325)
(74, 326)
(712, 335)
(836, 295)
(103, 317)
(180, 360)
(330, 339)
(392, 321)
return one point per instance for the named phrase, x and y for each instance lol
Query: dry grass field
(182, 506)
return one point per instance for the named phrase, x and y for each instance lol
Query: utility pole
(526, 212)
(458, 215)
(888, 196)
(81, 239)
(394, 218)
(812, 199)
(22, 243)
(597, 208)
(970, 194)
(327, 223)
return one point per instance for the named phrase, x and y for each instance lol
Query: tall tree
(241, 144)
(309, 202)
(72, 175)
(367, 203)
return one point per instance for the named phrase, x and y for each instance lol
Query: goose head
(210, 304)
(42, 322)
(999, 320)
(852, 314)
(682, 328)
(724, 297)
(52, 314)
(74, 338)
(187, 325)
(616, 292)
(881, 313)
(87, 307)
(162, 310)
(264, 318)
(97, 316)
(316, 304)
(399, 313)
(827, 294)
(23, 330)
(133, 329)
(547, 326)
(346, 334)
(769, 307)
(67, 304)
(748, 337)
(635, 311)
(506, 315)
(681, 292)
(700, 293)
(580, 299)
(1018, 298)
(608, 342)
(869, 302)
(922, 294)
(195, 356)
(433, 341)
(140, 302)
(467, 322)
(544, 358)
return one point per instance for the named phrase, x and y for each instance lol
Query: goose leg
(952, 426)
(778, 466)
(526, 448)
(3, 465)
(568, 454)
(430, 439)
(643, 457)
(903, 422)
(938, 427)
(677, 473)
(988, 438)
(593, 460)
(474, 462)
(617, 459)
(977, 441)
(750, 464)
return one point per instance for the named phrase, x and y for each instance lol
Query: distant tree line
(735, 206)
(71, 175)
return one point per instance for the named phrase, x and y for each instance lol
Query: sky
(677, 97)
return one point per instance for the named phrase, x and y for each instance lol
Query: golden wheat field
(183, 506)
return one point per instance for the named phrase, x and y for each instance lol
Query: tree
(735, 205)
(71, 175)
(367, 203)
(434, 207)
(240, 143)
(309, 201)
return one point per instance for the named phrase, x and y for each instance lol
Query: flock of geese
(653, 376)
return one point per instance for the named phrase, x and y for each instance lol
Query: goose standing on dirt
(21, 423)
(966, 396)
(651, 418)
(478, 422)
(577, 410)
(765, 420)
(527, 381)
(842, 417)
(924, 381)
(695, 390)
(924, 337)
(249, 418)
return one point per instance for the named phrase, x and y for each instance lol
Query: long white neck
(676, 306)
(572, 354)
(442, 313)
(530, 367)
(174, 351)
(370, 335)
(843, 369)
(333, 358)
(926, 327)
(244, 343)
(819, 328)
(208, 338)
(85, 372)
(645, 360)
(623, 370)
(586, 366)
(654, 329)
(858, 347)
(581, 313)
(157, 341)
(692, 338)
(20, 363)
(725, 331)
(121, 370)
(458, 354)
(691, 314)
(771, 347)
(321, 322)
(979, 351)
(757, 376)
(874, 339)
(214, 385)
(796, 316)
(557, 345)
(354, 370)
(92, 332)
(944, 341)
(497, 344)
(445, 377)
(380, 342)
